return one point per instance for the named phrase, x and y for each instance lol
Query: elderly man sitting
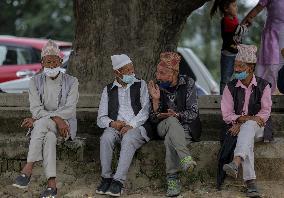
(175, 111)
(53, 97)
(123, 113)
(246, 107)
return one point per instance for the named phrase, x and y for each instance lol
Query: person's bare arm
(252, 14)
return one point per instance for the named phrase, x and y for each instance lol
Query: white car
(190, 65)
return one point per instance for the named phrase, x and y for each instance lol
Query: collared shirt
(50, 106)
(125, 112)
(227, 102)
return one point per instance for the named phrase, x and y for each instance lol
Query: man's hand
(170, 113)
(154, 90)
(28, 123)
(125, 129)
(62, 126)
(258, 120)
(243, 119)
(235, 129)
(118, 125)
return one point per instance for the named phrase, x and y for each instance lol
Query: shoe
(188, 164)
(49, 193)
(174, 186)
(104, 186)
(115, 189)
(231, 169)
(22, 181)
(252, 189)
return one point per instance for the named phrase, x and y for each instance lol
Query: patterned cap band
(50, 48)
(170, 60)
(246, 53)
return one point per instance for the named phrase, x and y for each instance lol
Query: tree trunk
(139, 28)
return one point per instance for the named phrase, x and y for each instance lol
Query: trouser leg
(249, 132)
(107, 143)
(227, 70)
(37, 137)
(49, 154)
(130, 142)
(175, 143)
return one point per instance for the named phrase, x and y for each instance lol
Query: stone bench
(15, 107)
(148, 167)
(14, 150)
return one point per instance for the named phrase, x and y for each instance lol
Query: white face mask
(51, 72)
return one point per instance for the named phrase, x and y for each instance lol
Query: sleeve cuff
(234, 119)
(132, 124)
(108, 123)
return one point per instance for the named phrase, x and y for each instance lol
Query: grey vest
(66, 84)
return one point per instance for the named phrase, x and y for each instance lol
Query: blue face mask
(241, 76)
(164, 85)
(128, 79)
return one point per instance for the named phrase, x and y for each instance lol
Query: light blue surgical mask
(128, 79)
(241, 76)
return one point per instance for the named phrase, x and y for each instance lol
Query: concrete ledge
(14, 150)
(11, 117)
(148, 167)
(92, 101)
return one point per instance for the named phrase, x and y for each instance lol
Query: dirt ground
(70, 187)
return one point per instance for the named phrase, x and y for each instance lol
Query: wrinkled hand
(243, 119)
(173, 113)
(62, 126)
(118, 125)
(170, 113)
(235, 129)
(258, 120)
(154, 90)
(125, 129)
(28, 123)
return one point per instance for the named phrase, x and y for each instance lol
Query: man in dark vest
(175, 111)
(123, 113)
(246, 107)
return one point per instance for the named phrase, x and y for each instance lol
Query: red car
(20, 57)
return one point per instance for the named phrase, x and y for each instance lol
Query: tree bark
(142, 29)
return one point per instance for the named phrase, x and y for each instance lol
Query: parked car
(190, 65)
(20, 57)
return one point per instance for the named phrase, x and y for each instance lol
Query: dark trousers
(227, 70)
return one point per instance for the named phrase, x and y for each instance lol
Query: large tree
(140, 28)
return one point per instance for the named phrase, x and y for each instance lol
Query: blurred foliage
(54, 19)
(203, 34)
(41, 19)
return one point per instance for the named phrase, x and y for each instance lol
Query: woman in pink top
(269, 59)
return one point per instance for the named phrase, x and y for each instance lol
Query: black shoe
(115, 189)
(252, 190)
(104, 185)
(22, 181)
(49, 193)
